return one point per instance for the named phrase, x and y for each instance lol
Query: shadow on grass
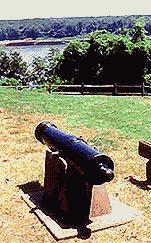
(144, 185)
(32, 186)
(35, 192)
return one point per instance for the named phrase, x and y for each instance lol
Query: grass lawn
(112, 124)
(128, 116)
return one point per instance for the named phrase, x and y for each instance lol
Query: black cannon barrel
(97, 167)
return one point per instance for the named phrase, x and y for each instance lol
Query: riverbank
(31, 42)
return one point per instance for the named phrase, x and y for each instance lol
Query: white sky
(20, 9)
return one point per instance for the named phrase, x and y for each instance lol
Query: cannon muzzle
(94, 165)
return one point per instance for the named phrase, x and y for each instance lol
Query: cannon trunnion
(72, 168)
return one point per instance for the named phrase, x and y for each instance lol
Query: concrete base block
(120, 214)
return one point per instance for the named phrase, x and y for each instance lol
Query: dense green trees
(64, 27)
(107, 58)
(12, 67)
(14, 71)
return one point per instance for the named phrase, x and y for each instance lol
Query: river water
(29, 52)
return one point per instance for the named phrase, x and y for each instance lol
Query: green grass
(128, 116)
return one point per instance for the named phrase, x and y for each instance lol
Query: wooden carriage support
(144, 150)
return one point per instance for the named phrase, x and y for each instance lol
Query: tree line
(65, 27)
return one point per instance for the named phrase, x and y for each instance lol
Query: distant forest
(65, 27)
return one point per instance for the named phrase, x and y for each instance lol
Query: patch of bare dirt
(148, 100)
(21, 161)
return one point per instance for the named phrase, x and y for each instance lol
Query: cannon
(72, 168)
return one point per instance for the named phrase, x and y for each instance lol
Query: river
(29, 52)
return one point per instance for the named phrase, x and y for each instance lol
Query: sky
(25, 9)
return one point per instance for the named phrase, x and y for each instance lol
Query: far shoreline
(31, 42)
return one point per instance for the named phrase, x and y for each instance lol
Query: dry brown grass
(21, 159)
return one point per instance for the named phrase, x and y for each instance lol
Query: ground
(21, 161)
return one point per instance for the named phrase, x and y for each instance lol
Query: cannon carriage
(72, 168)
